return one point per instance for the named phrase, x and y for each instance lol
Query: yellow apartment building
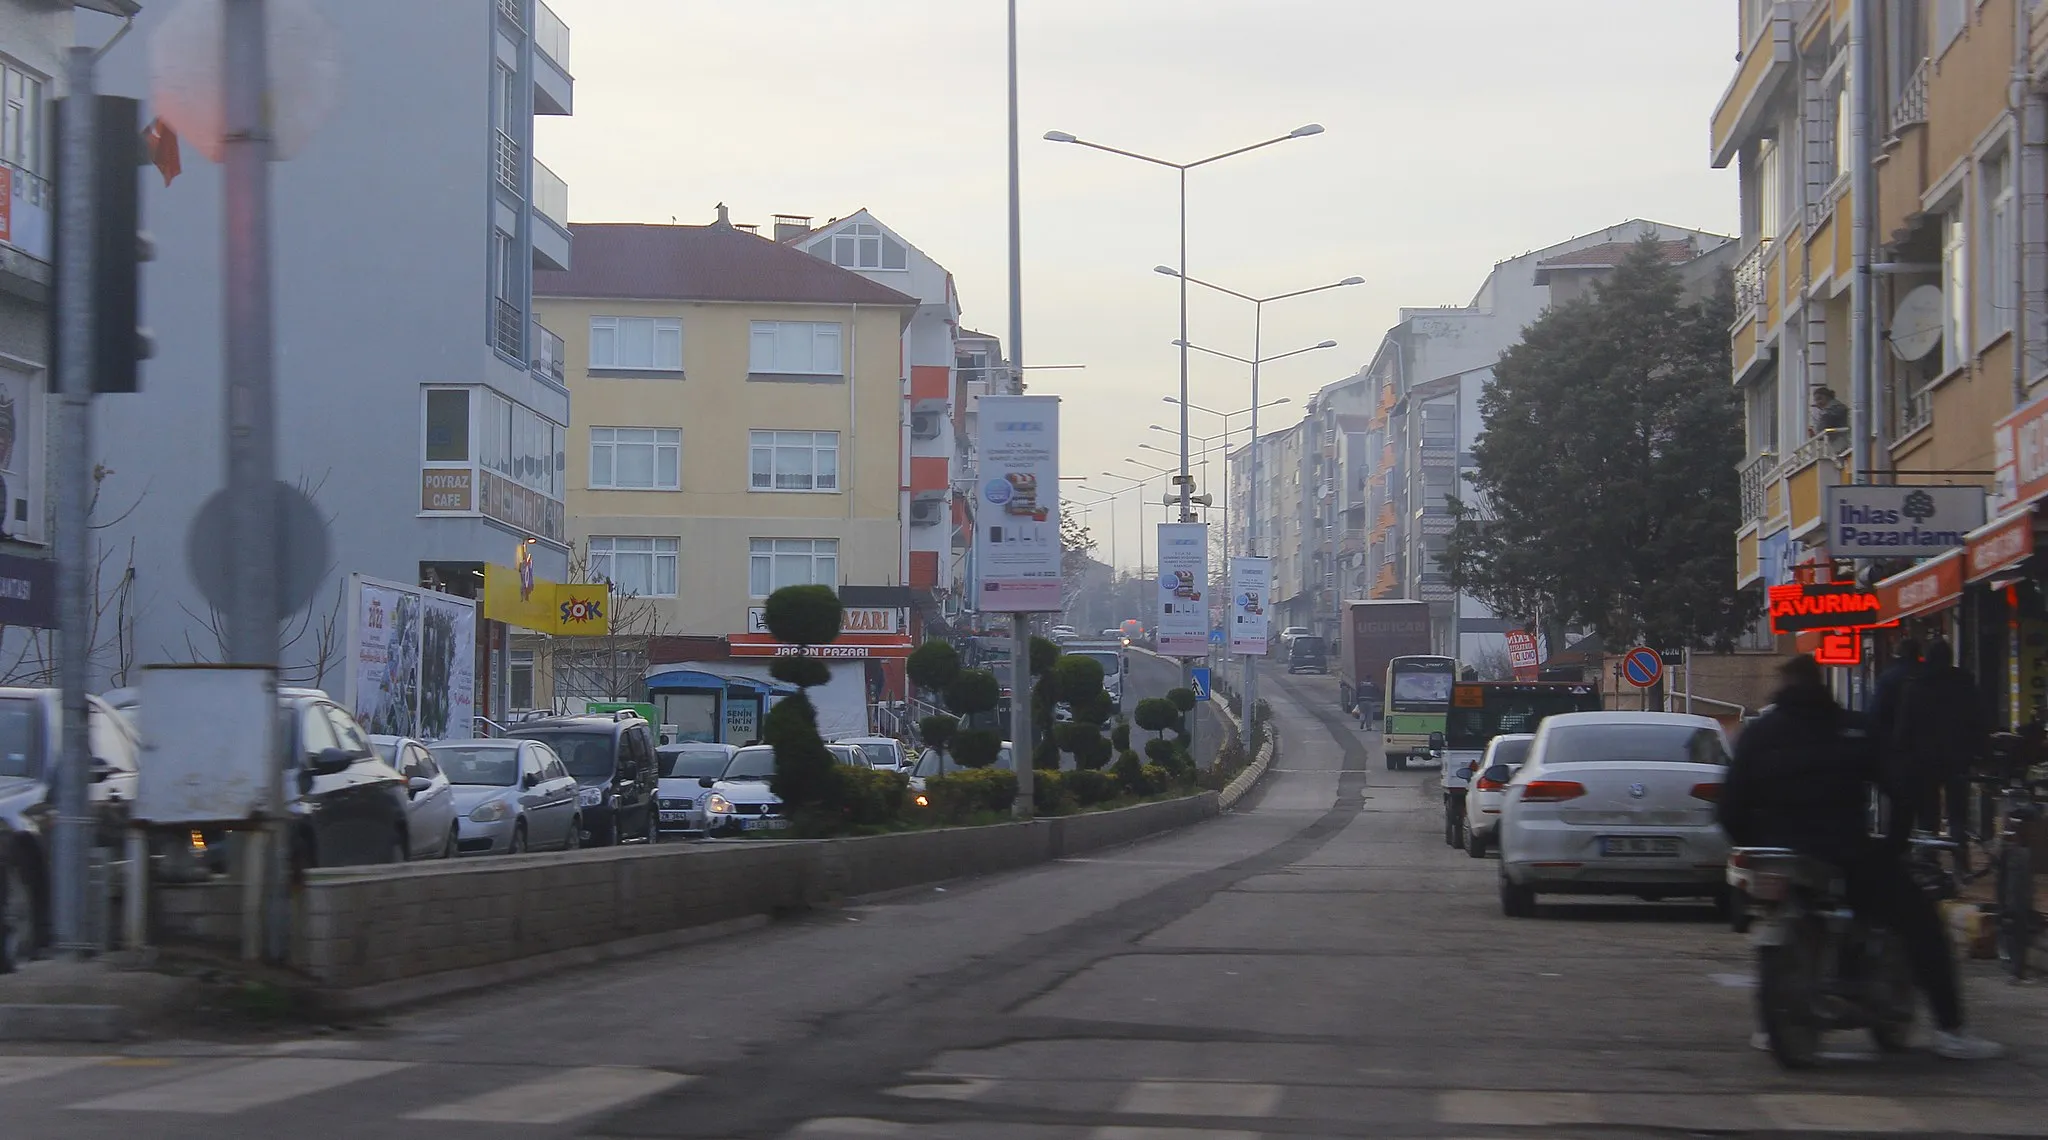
(736, 426)
(1940, 346)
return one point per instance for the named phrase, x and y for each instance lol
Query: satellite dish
(1916, 324)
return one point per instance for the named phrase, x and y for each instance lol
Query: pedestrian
(1891, 687)
(1801, 778)
(1942, 730)
(1829, 412)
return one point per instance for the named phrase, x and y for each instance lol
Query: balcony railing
(1756, 477)
(1911, 108)
(514, 11)
(1830, 444)
(550, 34)
(506, 326)
(508, 163)
(550, 195)
(1749, 280)
(548, 354)
(1912, 408)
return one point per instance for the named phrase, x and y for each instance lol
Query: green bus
(1418, 696)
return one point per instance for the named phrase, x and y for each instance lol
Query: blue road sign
(1200, 673)
(1215, 637)
(1642, 667)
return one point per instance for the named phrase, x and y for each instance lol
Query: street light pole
(1020, 626)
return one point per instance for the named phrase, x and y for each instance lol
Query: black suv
(1306, 652)
(612, 758)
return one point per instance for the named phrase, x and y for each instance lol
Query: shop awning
(700, 677)
(1999, 545)
(1933, 585)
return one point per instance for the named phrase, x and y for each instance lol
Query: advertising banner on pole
(1183, 584)
(1251, 583)
(1017, 505)
(412, 661)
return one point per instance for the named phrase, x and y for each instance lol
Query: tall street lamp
(1182, 169)
(1138, 483)
(1252, 517)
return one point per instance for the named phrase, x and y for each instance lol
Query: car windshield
(387, 750)
(490, 765)
(1513, 753)
(1307, 645)
(588, 755)
(693, 763)
(754, 763)
(879, 755)
(1633, 743)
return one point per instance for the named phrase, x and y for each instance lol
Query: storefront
(713, 702)
(2010, 650)
(1921, 603)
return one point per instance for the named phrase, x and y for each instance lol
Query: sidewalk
(89, 1001)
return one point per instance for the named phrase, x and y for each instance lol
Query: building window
(521, 676)
(1955, 290)
(797, 348)
(793, 461)
(773, 563)
(863, 245)
(638, 567)
(518, 443)
(635, 459)
(654, 344)
(1768, 193)
(21, 118)
(448, 425)
(1841, 127)
(2000, 244)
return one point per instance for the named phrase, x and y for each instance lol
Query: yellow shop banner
(561, 608)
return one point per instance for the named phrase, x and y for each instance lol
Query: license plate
(766, 824)
(1654, 846)
(674, 816)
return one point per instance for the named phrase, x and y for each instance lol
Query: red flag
(163, 149)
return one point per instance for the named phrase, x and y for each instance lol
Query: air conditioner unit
(924, 512)
(924, 425)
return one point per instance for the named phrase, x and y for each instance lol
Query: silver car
(677, 793)
(510, 796)
(885, 754)
(430, 808)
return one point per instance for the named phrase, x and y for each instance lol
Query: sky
(1458, 133)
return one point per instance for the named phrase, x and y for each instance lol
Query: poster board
(412, 660)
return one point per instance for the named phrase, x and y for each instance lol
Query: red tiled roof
(1611, 254)
(702, 263)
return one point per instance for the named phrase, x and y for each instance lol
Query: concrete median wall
(368, 937)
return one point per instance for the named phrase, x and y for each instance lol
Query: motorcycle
(1819, 967)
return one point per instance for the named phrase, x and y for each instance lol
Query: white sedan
(1504, 757)
(1615, 803)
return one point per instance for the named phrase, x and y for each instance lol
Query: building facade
(739, 429)
(419, 404)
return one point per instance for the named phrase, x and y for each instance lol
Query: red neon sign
(1798, 607)
(1839, 647)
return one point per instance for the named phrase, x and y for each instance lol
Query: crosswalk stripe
(1199, 1098)
(14, 1069)
(556, 1098)
(849, 1126)
(225, 1091)
(1489, 1106)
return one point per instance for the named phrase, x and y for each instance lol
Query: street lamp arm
(1115, 150)
(1299, 351)
(1212, 285)
(1316, 289)
(1214, 352)
(1288, 137)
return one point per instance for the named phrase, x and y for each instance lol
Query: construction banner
(559, 608)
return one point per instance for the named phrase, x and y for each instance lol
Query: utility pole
(1020, 624)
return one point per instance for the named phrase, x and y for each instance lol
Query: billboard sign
(1523, 655)
(1866, 521)
(1183, 586)
(411, 669)
(1251, 587)
(1017, 505)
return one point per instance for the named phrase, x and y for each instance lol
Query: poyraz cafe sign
(1901, 522)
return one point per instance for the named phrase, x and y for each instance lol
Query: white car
(740, 799)
(1288, 635)
(1504, 757)
(936, 763)
(884, 754)
(1615, 803)
(677, 792)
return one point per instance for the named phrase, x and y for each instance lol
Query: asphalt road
(1317, 963)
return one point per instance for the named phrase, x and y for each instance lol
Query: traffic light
(119, 246)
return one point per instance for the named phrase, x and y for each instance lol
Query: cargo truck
(1375, 633)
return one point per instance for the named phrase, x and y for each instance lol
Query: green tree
(1606, 485)
(807, 778)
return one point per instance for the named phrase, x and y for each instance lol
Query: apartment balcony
(508, 328)
(931, 477)
(554, 89)
(550, 219)
(1806, 474)
(1912, 408)
(1756, 476)
(1911, 108)
(1749, 282)
(548, 355)
(1766, 67)
(508, 161)
(931, 387)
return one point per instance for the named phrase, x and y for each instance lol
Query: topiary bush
(957, 796)
(873, 798)
(1160, 752)
(1182, 699)
(933, 665)
(1130, 772)
(937, 730)
(1050, 794)
(977, 747)
(1120, 736)
(1089, 787)
(1156, 715)
(974, 691)
(809, 781)
(1153, 780)
(1045, 654)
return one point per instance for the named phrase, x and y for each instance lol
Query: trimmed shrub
(807, 777)
(962, 794)
(1120, 736)
(873, 798)
(933, 665)
(1076, 679)
(1156, 714)
(937, 730)
(1050, 794)
(1160, 752)
(974, 691)
(803, 615)
(1045, 655)
(803, 672)
(1130, 773)
(1182, 699)
(977, 748)
(1089, 787)
(1154, 780)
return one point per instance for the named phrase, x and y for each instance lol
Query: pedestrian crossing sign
(1200, 682)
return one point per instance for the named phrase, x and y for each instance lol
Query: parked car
(682, 765)
(611, 755)
(1616, 803)
(1503, 758)
(849, 755)
(740, 799)
(430, 816)
(511, 796)
(29, 747)
(936, 763)
(1288, 635)
(885, 754)
(350, 806)
(1306, 653)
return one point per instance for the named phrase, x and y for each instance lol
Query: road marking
(1823, 1112)
(557, 1097)
(1122, 1132)
(1199, 1098)
(1486, 1106)
(849, 1126)
(17, 1069)
(231, 1090)
(964, 1089)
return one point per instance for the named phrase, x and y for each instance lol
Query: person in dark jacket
(1891, 687)
(1943, 728)
(1801, 778)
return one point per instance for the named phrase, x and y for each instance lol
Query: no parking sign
(1642, 667)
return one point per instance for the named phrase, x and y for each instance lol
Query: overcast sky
(1460, 133)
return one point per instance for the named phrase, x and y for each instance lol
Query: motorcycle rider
(1800, 778)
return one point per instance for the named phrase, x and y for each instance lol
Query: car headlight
(490, 812)
(716, 804)
(922, 801)
(589, 797)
